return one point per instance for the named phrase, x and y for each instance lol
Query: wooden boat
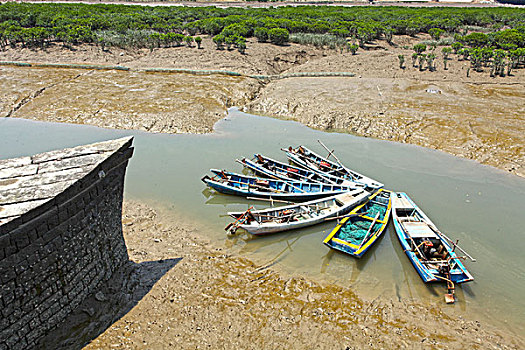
(359, 230)
(250, 186)
(306, 158)
(259, 222)
(430, 251)
(274, 169)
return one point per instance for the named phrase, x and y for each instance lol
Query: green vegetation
(278, 36)
(401, 61)
(488, 37)
(318, 40)
(352, 48)
(37, 25)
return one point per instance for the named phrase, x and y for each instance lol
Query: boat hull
(248, 186)
(428, 271)
(360, 216)
(264, 228)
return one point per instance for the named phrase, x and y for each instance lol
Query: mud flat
(210, 298)
(476, 117)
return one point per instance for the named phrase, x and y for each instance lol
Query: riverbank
(476, 117)
(210, 298)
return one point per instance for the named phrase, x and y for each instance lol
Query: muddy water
(481, 206)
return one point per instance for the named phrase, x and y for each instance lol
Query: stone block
(13, 342)
(4, 241)
(42, 229)
(10, 250)
(7, 275)
(21, 241)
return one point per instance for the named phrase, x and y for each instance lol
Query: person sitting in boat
(437, 250)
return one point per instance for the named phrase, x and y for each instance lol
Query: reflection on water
(481, 206)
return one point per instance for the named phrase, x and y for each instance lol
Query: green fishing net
(374, 209)
(354, 232)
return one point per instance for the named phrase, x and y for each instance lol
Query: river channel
(481, 206)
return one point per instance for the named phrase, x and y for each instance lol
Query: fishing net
(354, 232)
(374, 209)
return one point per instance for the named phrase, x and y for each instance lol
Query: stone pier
(60, 234)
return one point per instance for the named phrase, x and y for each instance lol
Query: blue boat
(250, 186)
(430, 251)
(274, 169)
(306, 158)
(360, 229)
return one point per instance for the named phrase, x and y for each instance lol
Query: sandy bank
(181, 292)
(476, 117)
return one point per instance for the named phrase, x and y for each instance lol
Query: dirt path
(181, 292)
(476, 117)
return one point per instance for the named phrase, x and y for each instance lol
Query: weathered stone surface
(60, 235)
(17, 209)
(25, 194)
(16, 162)
(25, 170)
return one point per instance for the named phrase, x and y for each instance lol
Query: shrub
(352, 48)
(241, 46)
(188, 40)
(420, 48)
(456, 47)
(475, 39)
(219, 41)
(436, 33)
(278, 36)
(318, 40)
(261, 33)
(401, 60)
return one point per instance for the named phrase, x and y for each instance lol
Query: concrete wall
(55, 255)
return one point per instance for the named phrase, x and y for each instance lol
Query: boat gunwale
(361, 249)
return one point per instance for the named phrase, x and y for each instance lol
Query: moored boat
(250, 186)
(274, 169)
(431, 253)
(308, 159)
(360, 229)
(271, 220)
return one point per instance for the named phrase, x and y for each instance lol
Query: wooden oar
(369, 230)
(337, 159)
(439, 233)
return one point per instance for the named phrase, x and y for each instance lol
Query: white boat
(271, 220)
(308, 159)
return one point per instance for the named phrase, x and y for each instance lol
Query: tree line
(38, 25)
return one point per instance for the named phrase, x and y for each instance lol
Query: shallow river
(481, 206)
